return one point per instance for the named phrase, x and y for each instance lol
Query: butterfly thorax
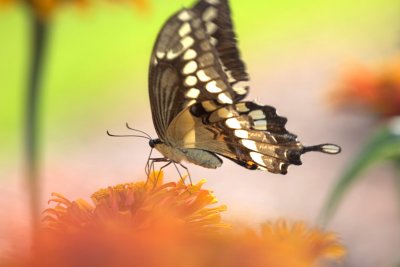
(169, 152)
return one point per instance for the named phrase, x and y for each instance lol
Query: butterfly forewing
(217, 19)
(186, 64)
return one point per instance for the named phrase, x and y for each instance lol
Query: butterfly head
(154, 142)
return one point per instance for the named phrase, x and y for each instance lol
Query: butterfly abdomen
(195, 156)
(202, 158)
(171, 153)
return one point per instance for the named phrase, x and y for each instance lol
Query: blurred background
(95, 79)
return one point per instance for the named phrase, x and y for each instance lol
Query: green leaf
(384, 145)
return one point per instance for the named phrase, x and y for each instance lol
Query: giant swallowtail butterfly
(196, 94)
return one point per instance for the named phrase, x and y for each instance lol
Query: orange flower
(306, 246)
(374, 90)
(284, 244)
(157, 224)
(134, 224)
(142, 5)
(45, 8)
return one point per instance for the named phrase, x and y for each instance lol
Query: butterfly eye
(151, 143)
(154, 142)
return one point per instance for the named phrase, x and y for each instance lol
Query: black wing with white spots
(217, 19)
(189, 65)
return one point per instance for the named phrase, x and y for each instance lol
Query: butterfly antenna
(127, 135)
(130, 128)
(324, 148)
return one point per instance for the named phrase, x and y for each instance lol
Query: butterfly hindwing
(249, 134)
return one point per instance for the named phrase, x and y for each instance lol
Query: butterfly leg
(150, 166)
(180, 175)
(162, 167)
(160, 170)
(147, 166)
(188, 173)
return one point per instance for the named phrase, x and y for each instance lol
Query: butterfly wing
(217, 19)
(194, 59)
(194, 75)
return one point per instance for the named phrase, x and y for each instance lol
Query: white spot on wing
(203, 76)
(224, 98)
(191, 102)
(224, 113)
(257, 114)
(210, 13)
(260, 125)
(257, 157)
(212, 87)
(192, 93)
(213, 2)
(187, 42)
(240, 90)
(213, 41)
(171, 54)
(190, 67)
(281, 164)
(241, 107)
(209, 106)
(230, 77)
(190, 80)
(189, 54)
(242, 134)
(249, 144)
(211, 27)
(241, 87)
(184, 29)
(160, 54)
(233, 123)
(184, 15)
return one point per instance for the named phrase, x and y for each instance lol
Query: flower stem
(397, 176)
(31, 134)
